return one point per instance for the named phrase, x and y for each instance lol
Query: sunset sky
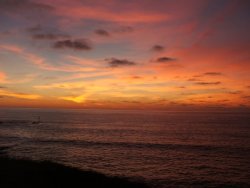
(150, 54)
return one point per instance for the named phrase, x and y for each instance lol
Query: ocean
(165, 149)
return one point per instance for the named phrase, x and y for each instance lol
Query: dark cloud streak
(113, 62)
(193, 80)
(208, 83)
(18, 6)
(164, 59)
(213, 73)
(246, 97)
(102, 32)
(49, 36)
(235, 92)
(78, 44)
(158, 48)
(136, 77)
(124, 29)
(34, 29)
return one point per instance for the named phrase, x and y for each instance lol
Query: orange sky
(147, 54)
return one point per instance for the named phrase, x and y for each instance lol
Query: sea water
(165, 149)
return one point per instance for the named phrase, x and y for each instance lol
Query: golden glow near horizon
(78, 99)
(136, 54)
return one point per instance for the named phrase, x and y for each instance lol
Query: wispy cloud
(2, 77)
(7, 93)
(41, 63)
(65, 86)
(75, 11)
(11, 48)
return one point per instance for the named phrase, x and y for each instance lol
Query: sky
(135, 54)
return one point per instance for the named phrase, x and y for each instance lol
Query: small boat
(38, 121)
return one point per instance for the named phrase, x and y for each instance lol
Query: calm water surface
(166, 149)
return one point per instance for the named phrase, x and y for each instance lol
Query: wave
(132, 145)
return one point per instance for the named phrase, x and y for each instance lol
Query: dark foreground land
(23, 173)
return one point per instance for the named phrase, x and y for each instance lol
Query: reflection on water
(172, 149)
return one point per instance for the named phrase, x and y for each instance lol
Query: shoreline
(28, 173)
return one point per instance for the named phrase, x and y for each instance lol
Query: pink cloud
(41, 63)
(2, 77)
(112, 11)
(11, 48)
